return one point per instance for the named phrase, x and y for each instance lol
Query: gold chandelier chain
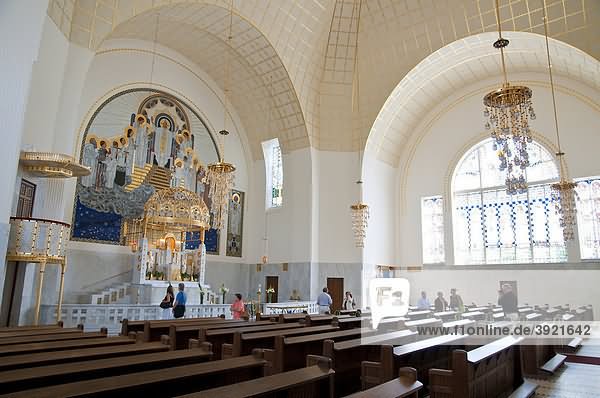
(500, 37)
(356, 85)
(560, 153)
(227, 79)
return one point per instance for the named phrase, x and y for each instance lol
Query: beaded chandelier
(563, 192)
(508, 110)
(359, 211)
(220, 175)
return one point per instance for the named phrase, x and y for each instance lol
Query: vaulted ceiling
(307, 46)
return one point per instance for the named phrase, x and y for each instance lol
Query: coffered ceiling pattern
(314, 41)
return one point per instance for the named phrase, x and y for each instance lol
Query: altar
(153, 291)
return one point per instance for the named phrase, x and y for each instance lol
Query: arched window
(492, 227)
(274, 172)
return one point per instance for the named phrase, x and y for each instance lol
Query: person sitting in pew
(423, 303)
(237, 307)
(440, 303)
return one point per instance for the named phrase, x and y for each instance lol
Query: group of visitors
(175, 305)
(440, 304)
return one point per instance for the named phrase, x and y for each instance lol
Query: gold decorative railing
(37, 240)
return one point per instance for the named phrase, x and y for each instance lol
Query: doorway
(273, 281)
(336, 291)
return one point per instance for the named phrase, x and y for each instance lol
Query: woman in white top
(349, 303)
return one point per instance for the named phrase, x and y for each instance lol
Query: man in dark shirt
(440, 303)
(508, 300)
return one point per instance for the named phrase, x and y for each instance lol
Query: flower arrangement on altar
(223, 291)
(270, 290)
(203, 292)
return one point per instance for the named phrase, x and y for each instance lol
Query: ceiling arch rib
(460, 64)
(199, 32)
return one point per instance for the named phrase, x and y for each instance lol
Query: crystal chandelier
(563, 192)
(220, 175)
(359, 210)
(508, 110)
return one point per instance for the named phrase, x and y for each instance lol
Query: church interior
(300, 198)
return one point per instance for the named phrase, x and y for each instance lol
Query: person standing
(423, 303)
(167, 303)
(237, 307)
(324, 302)
(440, 303)
(456, 302)
(349, 303)
(508, 300)
(180, 300)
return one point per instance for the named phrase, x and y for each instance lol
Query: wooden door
(336, 291)
(273, 281)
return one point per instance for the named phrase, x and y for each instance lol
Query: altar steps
(158, 177)
(117, 294)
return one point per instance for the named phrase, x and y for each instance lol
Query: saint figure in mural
(111, 166)
(101, 164)
(163, 142)
(141, 143)
(90, 159)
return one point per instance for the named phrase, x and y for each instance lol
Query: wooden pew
(63, 345)
(473, 315)
(20, 361)
(284, 318)
(541, 359)
(244, 343)
(154, 329)
(533, 316)
(346, 356)
(9, 329)
(446, 316)
(290, 352)
(313, 381)
(42, 338)
(128, 326)
(414, 315)
(422, 355)
(40, 332)
(405, 386)
(492, 370)
(423, 323)
(164, 382)
(458, 323)
(218, 337)
(317, 320)
(353, 322)
(179, 335)
(392, 324)
(44, 376)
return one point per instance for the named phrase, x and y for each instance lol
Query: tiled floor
(573, 380)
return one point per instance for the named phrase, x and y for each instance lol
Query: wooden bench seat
(43, 376)
(422, 323)
(37, 332)
(392, 324)
(317, 320)
(534, 316)
(283, 318)
(154, 329)
(422, 355)
(11, 329)
(164, 382)
(63, 345)
(128, 326)
(473, 315)
(414, 315)
(313, 381)
(290, 352)
(446, 316)
(179, 335)
(41, 338)
(492, 370)
(404, 386)
(218, 337)
(353, 322)
(20, 361)
(455, 324)
(347, 356)
(244, 343)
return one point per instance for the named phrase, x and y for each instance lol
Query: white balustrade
(290, 307)
(94, 316)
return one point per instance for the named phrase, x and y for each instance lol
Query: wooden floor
(573, 380)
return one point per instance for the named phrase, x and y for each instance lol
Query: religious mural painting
(137, 142)
(235, 224)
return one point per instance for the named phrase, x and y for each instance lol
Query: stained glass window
(274, 172)
(588, 217)
(492, 227)
(432, 222)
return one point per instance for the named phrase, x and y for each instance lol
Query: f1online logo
(388, 298)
